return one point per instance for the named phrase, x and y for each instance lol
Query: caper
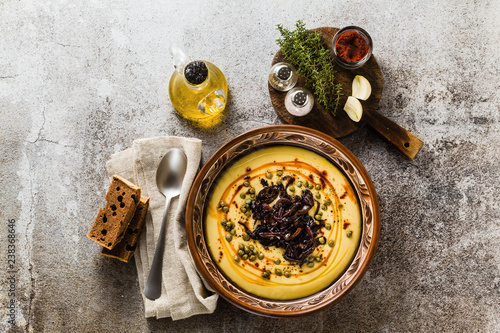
(229, 225)
(310, 264)
(222, 203)
(269, 175)
(317, 259)
(243, 209)
(320, 213)
(236, 258)
(243, 195)
(299, 184)
(248, 201)
(252, 195)
(279, 173)
(233, 232)
(251, 247)
(311, 186)
(323, 207)
(328, 202)
(310, 259)
(328, 226)
(317, 217)
(229, 237)
(225, 209)
(279, 182)
(246, 183)
(322, 240)
(252, 258)
(341, 206)
(318, 187)
(278, 272)
(252, 190)
(241, 246)
(331, 243)
(265, 275)
(261, 256)
(277, 261)
(246, 249)
(291, 188)
(244, 257)
(246, 237)
(317, 195)
(306, 184)
(255, 251)
(223, 223)
(287, 274)
(349, 234)
(241, 252)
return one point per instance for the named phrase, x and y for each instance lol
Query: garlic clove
(353, 108)
(361, 88)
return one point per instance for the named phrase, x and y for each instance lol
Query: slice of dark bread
(126, 248)
(112, 220)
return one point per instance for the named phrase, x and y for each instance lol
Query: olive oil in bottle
(198, 90)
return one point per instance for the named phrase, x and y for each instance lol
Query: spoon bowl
(170, 172)
(169, 177)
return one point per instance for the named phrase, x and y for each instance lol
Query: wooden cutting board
(340, 125)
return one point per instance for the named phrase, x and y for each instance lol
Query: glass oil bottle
(197, 89)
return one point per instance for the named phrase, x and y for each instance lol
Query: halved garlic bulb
(353, 108)
(361, 88)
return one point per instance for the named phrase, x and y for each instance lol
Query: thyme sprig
(313, 61)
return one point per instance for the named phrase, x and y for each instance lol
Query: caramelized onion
(287, 223)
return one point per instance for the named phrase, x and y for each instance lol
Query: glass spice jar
(352, 47)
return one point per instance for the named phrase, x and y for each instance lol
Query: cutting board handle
(405, 142)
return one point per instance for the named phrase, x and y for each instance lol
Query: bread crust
(113, 219)
(126, 247)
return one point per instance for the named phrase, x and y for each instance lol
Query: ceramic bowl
(321, 144)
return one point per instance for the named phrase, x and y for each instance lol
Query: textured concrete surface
(80, 81)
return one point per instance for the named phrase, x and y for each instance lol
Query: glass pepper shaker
(283, 76)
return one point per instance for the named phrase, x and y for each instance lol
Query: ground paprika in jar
(351, 46)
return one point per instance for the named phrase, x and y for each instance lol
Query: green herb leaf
(309, 54)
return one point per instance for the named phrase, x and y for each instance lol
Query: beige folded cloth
(184, 294)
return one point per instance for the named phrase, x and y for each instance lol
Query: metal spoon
(169, 177)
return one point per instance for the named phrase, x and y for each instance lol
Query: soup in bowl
(282, 222)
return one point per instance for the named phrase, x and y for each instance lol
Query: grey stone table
(80, 81)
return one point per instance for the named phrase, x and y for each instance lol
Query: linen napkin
(184, 293)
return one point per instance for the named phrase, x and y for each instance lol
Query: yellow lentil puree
(268, 274)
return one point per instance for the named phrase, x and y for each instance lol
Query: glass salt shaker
(299, 101)
(283, 76)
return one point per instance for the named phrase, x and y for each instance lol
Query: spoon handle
(152, 290)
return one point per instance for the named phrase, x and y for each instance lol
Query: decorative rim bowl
(321, 144)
